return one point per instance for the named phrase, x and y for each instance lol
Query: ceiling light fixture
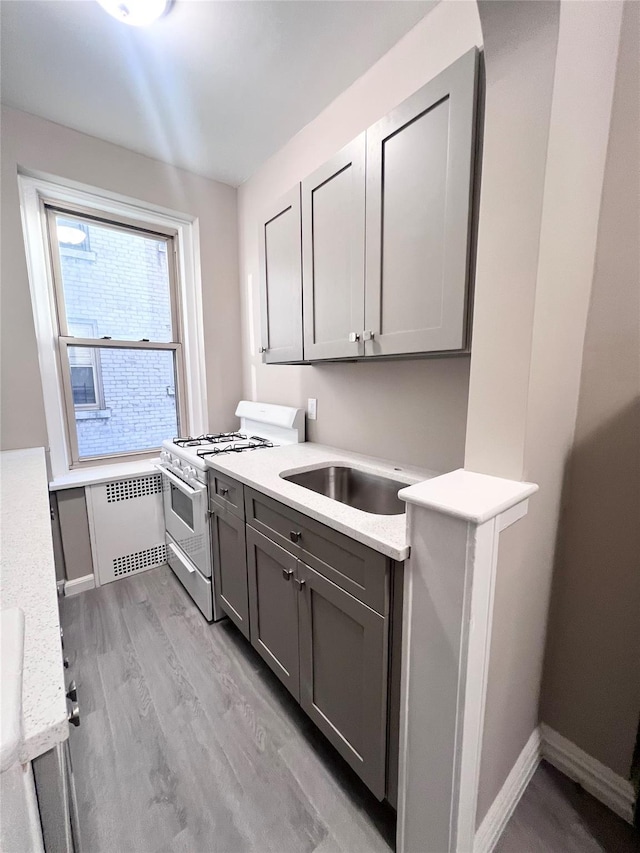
(137, 13)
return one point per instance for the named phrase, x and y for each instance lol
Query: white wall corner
(600, 781)
(504, 805)
(77, 585)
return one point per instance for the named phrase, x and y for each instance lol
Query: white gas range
(186, 514)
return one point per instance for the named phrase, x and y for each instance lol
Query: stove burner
(254, 443)
(206, 439)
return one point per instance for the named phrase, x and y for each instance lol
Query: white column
(454, 528)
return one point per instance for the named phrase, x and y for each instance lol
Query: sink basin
(368, 492)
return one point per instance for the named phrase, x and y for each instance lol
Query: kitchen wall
(412, 411)
(50, 149)
(550, 81)
(591, 688)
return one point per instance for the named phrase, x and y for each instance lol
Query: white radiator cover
(126, 526)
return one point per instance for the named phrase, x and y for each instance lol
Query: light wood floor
(189, 743)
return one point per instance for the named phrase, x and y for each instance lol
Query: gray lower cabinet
(322, 610)
(273, 605)
(230, 566)
(343, 674)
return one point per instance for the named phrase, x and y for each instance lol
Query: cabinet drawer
(349, 564)
(225, 493)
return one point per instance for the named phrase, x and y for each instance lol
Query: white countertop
(28, 581)
(261, 470)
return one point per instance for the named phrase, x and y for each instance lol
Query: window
(119, 335)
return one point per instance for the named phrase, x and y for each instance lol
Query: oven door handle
(186, 489)
(191, 569)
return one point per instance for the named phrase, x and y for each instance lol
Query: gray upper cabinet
(419, 181)
(386, 235)
(333, 224)
(281, 280)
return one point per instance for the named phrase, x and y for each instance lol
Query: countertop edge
(377, 543)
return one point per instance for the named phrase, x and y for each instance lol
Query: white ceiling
(215, 87)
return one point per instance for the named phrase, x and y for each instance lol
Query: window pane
(114, 282)
(82, 384)
(139, 408)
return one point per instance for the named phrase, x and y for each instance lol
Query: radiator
(126, 525)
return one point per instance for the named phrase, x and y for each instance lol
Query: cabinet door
(333, 218)
(281, 280)
(273, 605)
(419, 182)
(343, 674)
(230, 567)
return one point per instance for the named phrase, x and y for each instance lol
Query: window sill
(102, 474)
(92, 414)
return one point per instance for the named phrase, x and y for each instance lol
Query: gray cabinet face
(230, 566)
(225, 493)
(349, 564)
(419, 181)
(281, 284)
(273, 604)
(333, 222)
(343, 674)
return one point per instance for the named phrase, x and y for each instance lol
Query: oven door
(186, 518)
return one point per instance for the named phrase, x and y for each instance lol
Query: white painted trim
(474, 673)
(509, 795)
(33, 188)
(600, 781)
(77, 585)
(482, 544)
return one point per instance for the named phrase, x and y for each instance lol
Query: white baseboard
(77, 585)
(615, 792)
(508, 798)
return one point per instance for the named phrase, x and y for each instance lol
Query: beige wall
(43, 147)
(591, 688)
(538, 225)
(413, 411)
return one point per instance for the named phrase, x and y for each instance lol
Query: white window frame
(34, 191)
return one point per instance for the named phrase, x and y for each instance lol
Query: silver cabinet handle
(368, 336)
(72, 691)
(295, 535)
(299, 582)
(286, 573)
(224, 491)
(354, 337)
(74, 716)
(262, 349)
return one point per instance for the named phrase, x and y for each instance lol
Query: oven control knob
(190, 474)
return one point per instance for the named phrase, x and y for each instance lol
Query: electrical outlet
(312, 408)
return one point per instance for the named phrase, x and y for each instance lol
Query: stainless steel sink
(358, 489)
